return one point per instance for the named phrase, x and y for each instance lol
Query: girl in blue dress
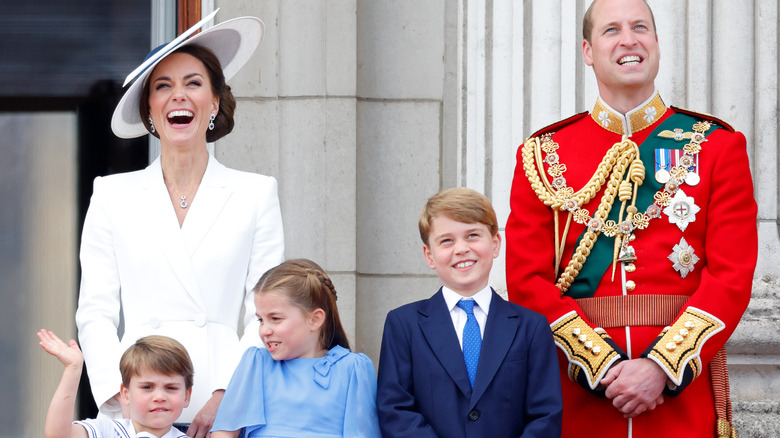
(306, 382)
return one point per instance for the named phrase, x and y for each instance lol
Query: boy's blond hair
(459, 204)
(159, 354)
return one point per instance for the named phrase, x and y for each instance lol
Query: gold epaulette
(586, 348)
(680, 345)
(559, 124)
(705, 116)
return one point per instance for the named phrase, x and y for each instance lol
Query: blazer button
(200, 320)
(154, 323)
(474, 415)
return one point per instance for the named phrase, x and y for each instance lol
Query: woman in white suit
(176, 248)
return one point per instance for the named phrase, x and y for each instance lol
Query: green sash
(600, 258)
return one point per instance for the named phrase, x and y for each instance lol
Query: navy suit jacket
(423, 387)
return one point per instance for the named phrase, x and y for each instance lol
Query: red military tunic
(692, 270)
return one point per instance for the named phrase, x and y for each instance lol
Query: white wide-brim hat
(233, 42)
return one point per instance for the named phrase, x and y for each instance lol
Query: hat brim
(233, 42)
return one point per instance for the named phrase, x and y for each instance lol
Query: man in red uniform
(633, 229)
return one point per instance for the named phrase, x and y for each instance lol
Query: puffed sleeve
(243, 404)
(360, 418)
(267, 252)
(97, 315)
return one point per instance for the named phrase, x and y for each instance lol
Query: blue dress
(331, 396)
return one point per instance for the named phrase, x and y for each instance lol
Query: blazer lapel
(162, 223)
(500, 331)
(436, 325)
(211, 197)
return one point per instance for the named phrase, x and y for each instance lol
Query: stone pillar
(400, 76)
(296, 120)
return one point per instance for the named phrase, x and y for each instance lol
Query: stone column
(296, 120)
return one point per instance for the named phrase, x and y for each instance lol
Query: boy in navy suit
(465, 362)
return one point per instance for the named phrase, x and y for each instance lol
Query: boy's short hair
(459, 204)
(160, 354)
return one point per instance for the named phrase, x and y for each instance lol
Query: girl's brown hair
(308, 286)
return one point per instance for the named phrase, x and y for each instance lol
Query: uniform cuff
(591, 352)
(677, 349)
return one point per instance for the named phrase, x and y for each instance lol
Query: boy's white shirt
(105, 428)
(459, 316)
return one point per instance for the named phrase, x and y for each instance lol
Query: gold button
(582, 338)
(671, 346)
(630, 285)
(630, 267)
(596, 350)
(689, 325)
(588, 345)
(683, 332)
(677, 339)
(576, 331)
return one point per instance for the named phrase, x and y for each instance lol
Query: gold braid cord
(681, 344)
(615, 163)
(586, 348)
(720, 388)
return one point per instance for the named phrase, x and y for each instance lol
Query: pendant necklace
(172, 185)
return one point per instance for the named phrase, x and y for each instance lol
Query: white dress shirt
(459, 315)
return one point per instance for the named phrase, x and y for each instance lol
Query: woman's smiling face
(181, 99)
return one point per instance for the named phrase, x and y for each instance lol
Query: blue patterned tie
(472, 339)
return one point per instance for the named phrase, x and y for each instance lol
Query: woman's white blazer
(189, 283)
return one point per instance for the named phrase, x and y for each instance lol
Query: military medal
(692, 179)
(662, 165)
(683, 258)
(691, 162)
(681, 210)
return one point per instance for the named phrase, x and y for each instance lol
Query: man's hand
(201, 424)
(635, 386)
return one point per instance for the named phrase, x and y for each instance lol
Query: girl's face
(288, 331)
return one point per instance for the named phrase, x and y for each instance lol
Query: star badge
(681, 210)
(683, 258)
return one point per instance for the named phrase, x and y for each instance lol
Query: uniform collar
(639, 118)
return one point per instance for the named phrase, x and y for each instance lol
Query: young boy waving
(156, 384)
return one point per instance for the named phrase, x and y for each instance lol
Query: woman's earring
(151, 125)
(211, 123)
